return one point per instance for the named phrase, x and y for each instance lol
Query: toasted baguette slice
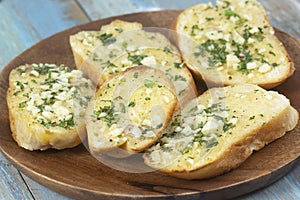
(130, 111)
(110, 52)
(46, 106)
(220, 129)
(85, 42)
(232, 43)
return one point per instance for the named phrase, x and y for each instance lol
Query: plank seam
(83, 10)
(27, 186)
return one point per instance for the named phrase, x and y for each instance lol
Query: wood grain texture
(40, 192)
(283, 15)
(102, 9)
(12, 182)
(82, 176)
(27, 22)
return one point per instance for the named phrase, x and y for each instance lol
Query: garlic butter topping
(230, 37)
(52, 94)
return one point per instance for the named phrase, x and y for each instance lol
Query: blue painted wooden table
(25, 22)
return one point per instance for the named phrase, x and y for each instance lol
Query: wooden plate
(74, 172)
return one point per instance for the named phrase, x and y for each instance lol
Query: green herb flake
(194, 28)
(209, 18)
(252, 117)
(22, 104)
(66, 123)
(186, 150)
(226, 4)
(147, 98)
(148, 83)
(110, 65)
(229, 13)
(179, 78)
(112, 55)
(167, 49)
(272, 53)
(124, 44)
(178, 65)
(228, 126)
(136, 75)
(106, 39)
(109, 117)
(131, 104)
(119, 30)
(21, 70)
(159, 126)
(136, 59)
(216, 50)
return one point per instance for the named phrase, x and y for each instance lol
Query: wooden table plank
(27, 22)
(284, 16)
(103, 9)
(11, 180)
(40, 192)
(289, 187)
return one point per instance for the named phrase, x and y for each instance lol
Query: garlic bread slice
(84, 43)
(220, 129)
(231, 43)
(46, 106)
(130, 111)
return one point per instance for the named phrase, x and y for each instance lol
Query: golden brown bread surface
(46, 106)
(232, 43)
(130, 111)
(220, 129)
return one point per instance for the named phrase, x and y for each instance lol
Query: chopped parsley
(20, 70)
(119, 30)
(229, 13)
(131, 104)
(136, 75)
(252, 117)
(209, 18)
(148, 83)
(179, 78)
(106, 39)
(178, 65)
(136, 59)
(216, 50)
(66, 123)
(194, 28)
(22, 104)
(107, 114)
